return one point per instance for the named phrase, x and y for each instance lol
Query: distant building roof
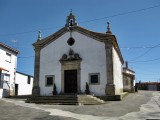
(149, 83)
(126, 68)
(9, 48)
(24, 74)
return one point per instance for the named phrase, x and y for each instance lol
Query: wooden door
(70, 81)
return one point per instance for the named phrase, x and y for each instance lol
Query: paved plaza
(136, 106)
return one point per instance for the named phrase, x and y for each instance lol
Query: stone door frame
(71, 65)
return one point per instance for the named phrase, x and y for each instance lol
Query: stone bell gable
(67, 50)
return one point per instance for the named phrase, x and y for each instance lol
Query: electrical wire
(111, 16)
(148, 73)
(120, 14)
(143, 47)
(156, 59)
(132, 60)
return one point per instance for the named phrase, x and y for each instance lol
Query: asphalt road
(10, 111)
(142, 105)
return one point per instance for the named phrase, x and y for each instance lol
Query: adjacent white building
(23, 84)
(74, 56)
(8, 65)
(128, 79)
(12, 82)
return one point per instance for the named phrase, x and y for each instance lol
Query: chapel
(75, 57)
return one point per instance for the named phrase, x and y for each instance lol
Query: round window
(70, 41)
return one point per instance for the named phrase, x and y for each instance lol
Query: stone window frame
(89, 75)
(46, 76)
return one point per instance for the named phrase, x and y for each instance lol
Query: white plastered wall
(10, 66)
(23, 87)
(93, 57)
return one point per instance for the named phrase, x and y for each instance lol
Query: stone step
(66, 100)
(54, 98)
(57, 103)
(89, 98)
(19, 97)
(52, 101)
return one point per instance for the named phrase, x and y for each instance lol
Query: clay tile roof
(9, 48)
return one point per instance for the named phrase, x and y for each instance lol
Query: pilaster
(36, 88)
(110, 87)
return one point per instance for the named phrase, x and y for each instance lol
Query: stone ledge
(113, 97)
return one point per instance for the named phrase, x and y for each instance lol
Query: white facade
(74, 58)
(24, 84)
(93, 57)
(8, 64)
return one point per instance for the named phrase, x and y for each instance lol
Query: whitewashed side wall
(93, 57)
(10, 66)
(117, 69)
(23, 87)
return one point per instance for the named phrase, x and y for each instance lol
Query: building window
(7, 77)
(49, 80)
(8, 57)
(70, 41)
(94, 78)
(29, 80)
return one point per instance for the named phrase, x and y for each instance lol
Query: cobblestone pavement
(137, 106)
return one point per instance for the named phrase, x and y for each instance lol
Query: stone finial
(71, 20)
(108, 28)
(39, 35)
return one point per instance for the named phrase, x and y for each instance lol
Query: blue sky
(135, 23)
